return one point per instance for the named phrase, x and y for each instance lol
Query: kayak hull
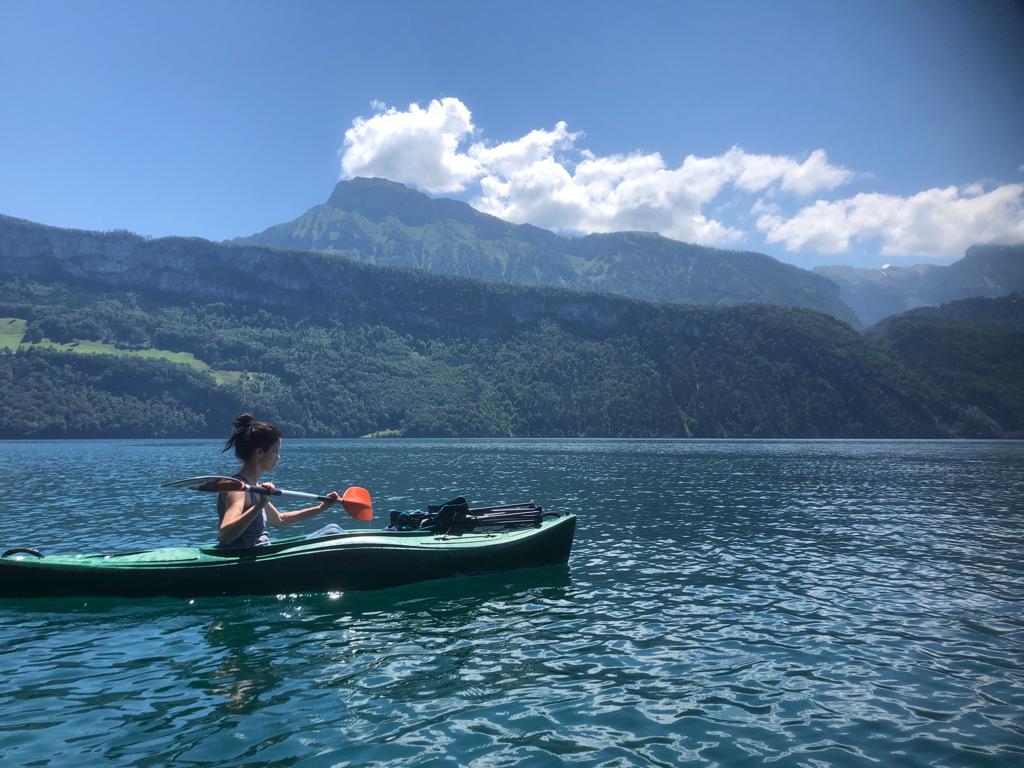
(357, 560)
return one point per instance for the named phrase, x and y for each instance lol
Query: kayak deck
(345, 561)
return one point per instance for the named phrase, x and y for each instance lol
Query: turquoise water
(731, 603)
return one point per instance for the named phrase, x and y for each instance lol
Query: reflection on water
(243, 672)
(727, 602)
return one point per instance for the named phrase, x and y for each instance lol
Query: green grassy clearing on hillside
(12, 330)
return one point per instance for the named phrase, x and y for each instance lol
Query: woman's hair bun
(250, 434)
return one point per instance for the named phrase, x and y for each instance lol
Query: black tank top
(255, 534)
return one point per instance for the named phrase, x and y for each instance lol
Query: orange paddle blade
(357, 503)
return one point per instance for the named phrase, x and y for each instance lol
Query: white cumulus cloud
(544, 178)
(607, 194)
(936, 223)
(636, 191)
(418, 146)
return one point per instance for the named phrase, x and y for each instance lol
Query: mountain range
(986, 271)
(381, 222)
(113, 334)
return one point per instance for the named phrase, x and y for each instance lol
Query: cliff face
(304, 283)
(128, 262)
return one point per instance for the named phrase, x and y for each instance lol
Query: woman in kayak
(243, 514)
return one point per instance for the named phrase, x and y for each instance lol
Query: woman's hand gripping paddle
(355, 500)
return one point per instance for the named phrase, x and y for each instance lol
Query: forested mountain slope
(971, 350)
(328, 346)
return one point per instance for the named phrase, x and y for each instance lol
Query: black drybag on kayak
(451, 516)
(456, 517)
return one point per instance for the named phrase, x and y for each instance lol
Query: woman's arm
(283, 519)
(236, 517)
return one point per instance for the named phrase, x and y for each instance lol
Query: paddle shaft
(282, 492)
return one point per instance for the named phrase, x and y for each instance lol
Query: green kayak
(354, 560)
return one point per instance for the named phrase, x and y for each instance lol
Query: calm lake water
(731, 603)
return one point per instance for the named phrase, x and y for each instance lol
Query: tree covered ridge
(328, 346)
(972, 350)
(752, 371)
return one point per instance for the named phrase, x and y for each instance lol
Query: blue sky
(818, 132)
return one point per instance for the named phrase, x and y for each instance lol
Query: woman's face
(271, 456)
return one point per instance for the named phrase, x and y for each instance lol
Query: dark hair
(250, 435)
